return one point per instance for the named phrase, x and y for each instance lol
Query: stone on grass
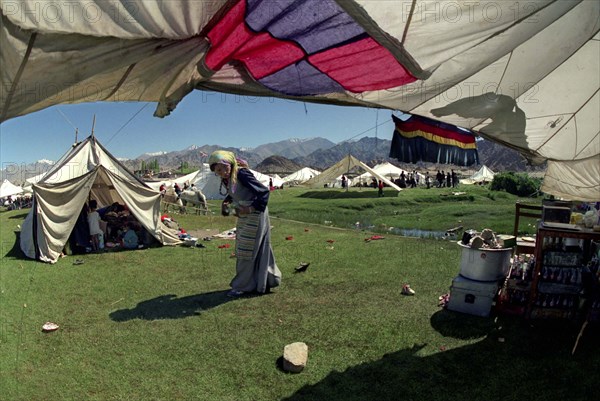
(295, 356)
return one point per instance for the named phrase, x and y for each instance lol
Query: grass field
(154, 324)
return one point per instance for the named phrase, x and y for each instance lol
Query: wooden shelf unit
(558, 276)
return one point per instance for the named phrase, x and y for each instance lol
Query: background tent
(277, 180)
(87, 171)
(210, 184)
(483, 175)
(386, 169)
(9, 189)
(333, 173)
(300, 176)
(523, 74)
(191, 178)
(265, 178)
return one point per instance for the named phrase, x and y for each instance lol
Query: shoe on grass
(406, 290)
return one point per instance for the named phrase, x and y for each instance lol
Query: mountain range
(287, 156)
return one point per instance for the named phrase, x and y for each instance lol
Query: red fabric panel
(362, 66)
(262, 55)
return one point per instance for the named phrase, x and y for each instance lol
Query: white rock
(295, 356)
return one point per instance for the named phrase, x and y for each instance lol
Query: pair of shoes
(234, 293)
(406, 290)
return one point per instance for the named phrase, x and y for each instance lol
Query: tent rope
(128, 121)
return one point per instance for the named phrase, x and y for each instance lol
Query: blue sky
(202, 118)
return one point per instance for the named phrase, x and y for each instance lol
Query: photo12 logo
(70, 12)
(454, 12)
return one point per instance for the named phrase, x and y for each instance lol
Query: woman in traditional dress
(256, 270)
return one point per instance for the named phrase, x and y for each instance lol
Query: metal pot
(484, 264)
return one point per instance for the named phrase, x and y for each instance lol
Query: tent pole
(93, 124)
(347, 171)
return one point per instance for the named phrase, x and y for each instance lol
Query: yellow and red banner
(420, 139)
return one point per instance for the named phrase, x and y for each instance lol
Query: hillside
(287, 156)
(277, 165)
(292, 148)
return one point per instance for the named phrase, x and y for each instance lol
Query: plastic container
(472, 297)
(484, 264)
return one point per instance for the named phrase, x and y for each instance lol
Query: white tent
(333, 174)
(385, 169)
(300, 176)
(523, 74)
(277, 180)
(191, 178)
(87, 171)
(483, 175)
(265, 178)
(210, 184)
(9, 189)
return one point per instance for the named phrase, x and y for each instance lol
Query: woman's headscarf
(227, 158)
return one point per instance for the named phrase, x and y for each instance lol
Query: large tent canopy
(524, 74)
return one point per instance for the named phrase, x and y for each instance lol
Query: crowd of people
(414, 179)
(16, 202)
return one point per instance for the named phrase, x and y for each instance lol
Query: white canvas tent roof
(210, 184)
(9, 189)
(277, 180)
(87, 171)
(264, 179)
(343, 167)
(481, 65)
(484, 174)
(385, 169)
(32, 180)
(300, 176)
(191, 178)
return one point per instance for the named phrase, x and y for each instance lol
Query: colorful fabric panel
(303, 48)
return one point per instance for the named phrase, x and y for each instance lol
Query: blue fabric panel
(315, 24)
(301, 79)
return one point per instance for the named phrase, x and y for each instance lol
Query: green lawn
(155, 324)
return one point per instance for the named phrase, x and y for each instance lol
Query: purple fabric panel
(313, 24)
(301, 79)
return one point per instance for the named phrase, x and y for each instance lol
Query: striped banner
(421, 139)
